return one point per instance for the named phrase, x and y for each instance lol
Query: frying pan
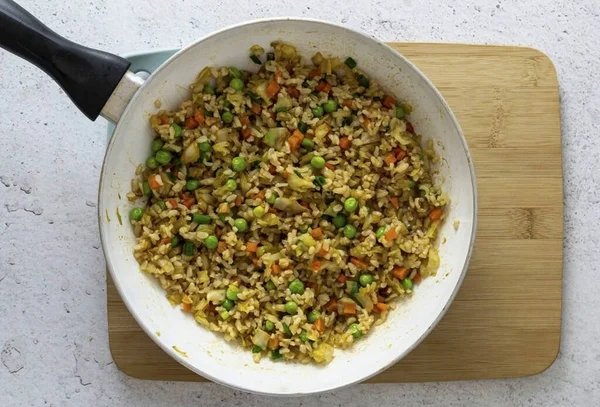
(100, 84)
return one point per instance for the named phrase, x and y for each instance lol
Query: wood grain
(506, 319)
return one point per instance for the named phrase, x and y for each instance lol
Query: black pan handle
(87, 75)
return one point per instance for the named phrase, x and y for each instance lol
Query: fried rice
(289, 208)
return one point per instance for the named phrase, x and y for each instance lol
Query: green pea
(241, 224)
(399, 112)
(192, 184)
(233, 71)
(330, 106)
(152, 163)
(136, 214)
(269, 326)
(209, 90)
(174, 241)
(313, 316)
(270, 286)
(365, 280)
(201, 219)
(238, 164)
(227, 304)
(236, 83)
(303, 127)
(211, 242)
(291, 307)
(304, 336)
(275, 354)
(272, 198)
(296, 287)
(407, 284)
(256, 349)
(380, 232)
(177, 129)
(157, 144)
(351, 205)
(205, 147)
(317, 162)
(350, 231)
(317, 111)
(258, 211)
(339, 221)
(188, 249)
(308, 143)
(231, 185)
(355, 331)
(162, 205)
(232, 292)
(227, 117)
(163, 156)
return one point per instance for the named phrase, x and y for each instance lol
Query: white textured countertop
(53, 329)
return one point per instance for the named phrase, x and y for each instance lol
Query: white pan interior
(207, 353)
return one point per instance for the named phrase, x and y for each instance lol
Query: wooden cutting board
(506, 319)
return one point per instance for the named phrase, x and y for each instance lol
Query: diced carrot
(366, 121)
(188, 201)
(409, 127)
(361, 264)
(391, 234)
(344, 143)
(278, 75)
(417, 278)
(342, 278)
(315, 266)
(349, 308)
(400, 154)
(245, 120)
(390, 159)
(399, 272)
(329, 166)
(256, 108)
(293, 92)
(238, 200)
(312, 285)
(435, 214)
(272, 169)
(153, 183)
(246, 133)
(323, 86)
(164, 119)
(317, 233)
(221, 247)
(319, 325)
(255, 261)
(191, 123)
(348, 103)
(286, 174)
(275, 269)
(166, 240)
(322, 252)
(199, 116)
(224, 209)
(273, 343)
(186, 307)
(252, 247)
(273, 88)
(388, 101)
(295, 140)
(172, 203)
(381, 306)
(314, 73)
(260, 196)
(395, 202)
(331, 306)
(380, 298)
